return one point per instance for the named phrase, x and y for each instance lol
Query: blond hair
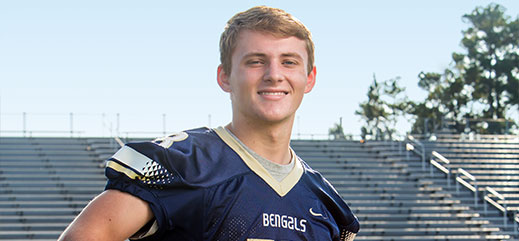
(264, 19)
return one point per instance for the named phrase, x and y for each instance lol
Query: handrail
(446, 170)
(495, 193)
(467, 174)
(489, 191)
(502, 208)
(516, 221)
(118, 140)
(486, 137)
(410, 146)
(439, 156)
(29, 133)
(474, 188)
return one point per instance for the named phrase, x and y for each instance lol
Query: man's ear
(223, 79)
(310, 80)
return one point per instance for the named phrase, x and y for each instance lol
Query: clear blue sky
(143, 59)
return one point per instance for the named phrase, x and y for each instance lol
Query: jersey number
(167, 141)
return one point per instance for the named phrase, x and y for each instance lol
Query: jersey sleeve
(142, 170)
(346, 221)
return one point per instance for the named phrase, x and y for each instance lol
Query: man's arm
(113, 215)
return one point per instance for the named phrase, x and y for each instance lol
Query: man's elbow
(75, 235)
(67, 236)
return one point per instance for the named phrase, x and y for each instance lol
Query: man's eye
(289, 62)
(254, 62)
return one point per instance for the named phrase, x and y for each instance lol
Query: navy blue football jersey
(202, 185)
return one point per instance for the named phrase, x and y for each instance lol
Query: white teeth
(272, 93)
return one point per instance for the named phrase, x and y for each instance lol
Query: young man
(238, 182)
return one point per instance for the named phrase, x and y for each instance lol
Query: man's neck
(269, 141)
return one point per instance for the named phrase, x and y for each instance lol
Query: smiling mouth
(273, 93)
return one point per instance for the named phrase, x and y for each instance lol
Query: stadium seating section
(45, 183)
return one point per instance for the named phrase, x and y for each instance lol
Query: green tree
(447, 99)
(380, 112)
(491, 64)
(337, 131)
(483, 82)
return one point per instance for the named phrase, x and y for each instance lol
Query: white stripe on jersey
(133, 159)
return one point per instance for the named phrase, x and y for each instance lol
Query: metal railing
(34, 133)
(485, 122)
(438, 164)
(486, 137)
(443, 164)
(71, 124)
(516, 221)
(124, 125)
(459, 180)
(413, 145)
(489, 193)
(119, 141)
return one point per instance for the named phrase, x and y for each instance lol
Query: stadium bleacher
(493, 162)
(45, 184)
(392, 195)
(47, 181)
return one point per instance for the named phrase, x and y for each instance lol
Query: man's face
(268, 77)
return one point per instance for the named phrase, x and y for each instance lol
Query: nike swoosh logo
(315, 214)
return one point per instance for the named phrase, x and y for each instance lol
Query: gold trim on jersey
(122, 169)
(137, 162)
(281, 188)
(133, 159)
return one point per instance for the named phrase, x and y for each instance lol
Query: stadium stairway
(493, 162)
(393, 197)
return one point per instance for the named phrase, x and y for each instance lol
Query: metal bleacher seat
(45, 182)
(493, 160)
(393, 197)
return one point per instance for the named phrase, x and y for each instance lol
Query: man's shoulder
(341, 212)
(315, 179)
(167, 150)
(192, 157)
(309, 171)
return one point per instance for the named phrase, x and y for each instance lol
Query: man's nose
(273, 72)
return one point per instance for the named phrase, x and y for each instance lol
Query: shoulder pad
(131, 160)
